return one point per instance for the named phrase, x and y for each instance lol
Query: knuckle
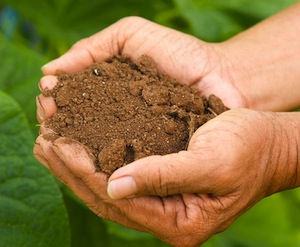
(164, 181)
(132, 19)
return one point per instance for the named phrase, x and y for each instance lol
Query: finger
(79, 160)
(114, 40)
(81, 175)
(40, 155)
(45, 130)
(137, 36)
(170, 211)
(46, 107)
(178, 173)
(76, 156)
(85, 52)
(45, 147)
(60, 170)
(48, 82)
(207, 167)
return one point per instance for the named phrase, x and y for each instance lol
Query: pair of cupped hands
(183, 198)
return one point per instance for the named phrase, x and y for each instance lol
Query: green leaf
(31, 207)
(20, 74)
(126, 237)
(268, 224)
(126, 233)
(56, 25)
(217, 20)
(97, 232)
(62, 23)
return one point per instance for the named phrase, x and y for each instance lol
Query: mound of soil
(123, 111)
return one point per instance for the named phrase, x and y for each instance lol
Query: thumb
(176, 173)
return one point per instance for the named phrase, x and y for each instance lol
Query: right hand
(183, 198)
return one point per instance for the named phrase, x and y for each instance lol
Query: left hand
(231, 163)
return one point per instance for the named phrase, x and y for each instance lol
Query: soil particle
(123, 111)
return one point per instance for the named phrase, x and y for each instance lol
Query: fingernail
(122, 187)
(40, 109)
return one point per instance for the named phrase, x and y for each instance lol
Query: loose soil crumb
(123, 111)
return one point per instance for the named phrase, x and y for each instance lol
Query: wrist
(284, 147)
(266, 82)
(264, 62)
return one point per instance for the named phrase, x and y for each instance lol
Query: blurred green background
(36, 210)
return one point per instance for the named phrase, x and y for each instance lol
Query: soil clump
(123, 111)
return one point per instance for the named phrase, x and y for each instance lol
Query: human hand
(231, 163)
(191, 61)
(187, 212)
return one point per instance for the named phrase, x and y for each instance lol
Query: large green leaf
(89, 230)
(31, 207)
(273, 222)
(61, 23)
(56, 25)
(217, 20)
(20, 74)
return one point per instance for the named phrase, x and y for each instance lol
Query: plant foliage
(33, 210)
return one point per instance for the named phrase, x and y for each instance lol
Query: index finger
(96, 48)
(177, 54)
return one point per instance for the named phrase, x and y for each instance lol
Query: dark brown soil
(123, 111)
